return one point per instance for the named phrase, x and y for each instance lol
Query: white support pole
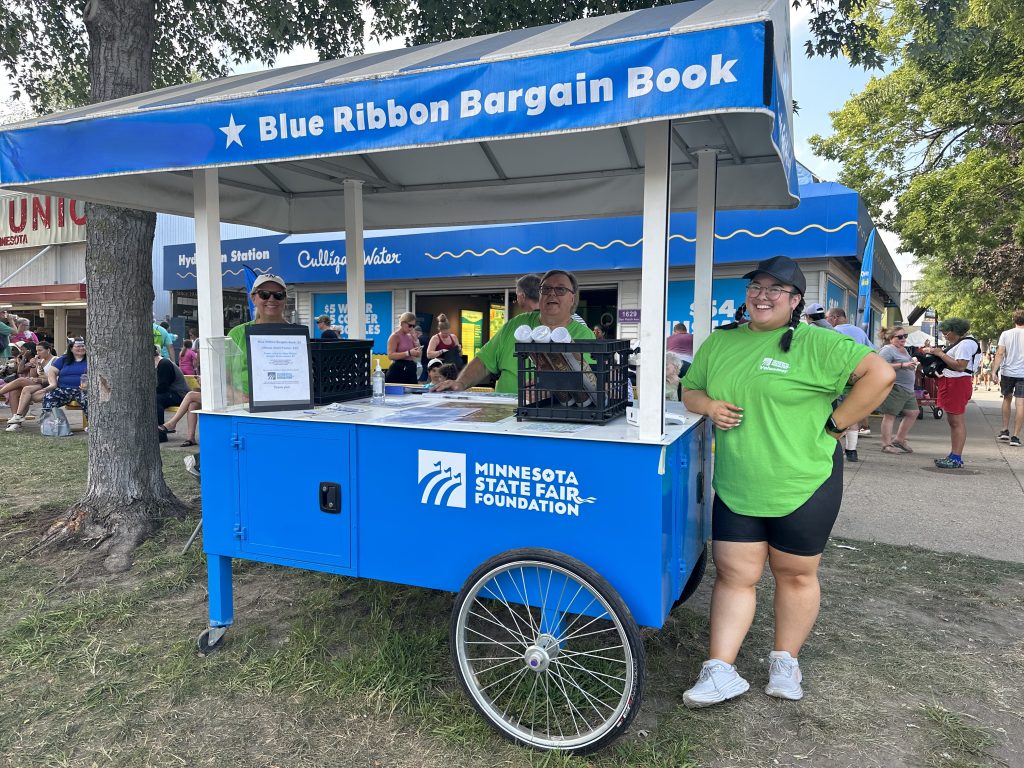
(355, 280)
(206, 199)
(707, 190)
(654, 280)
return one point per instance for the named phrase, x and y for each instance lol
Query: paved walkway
(906, 500)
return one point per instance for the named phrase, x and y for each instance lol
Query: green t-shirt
(238, 364)
(499, 354)
(779, 456)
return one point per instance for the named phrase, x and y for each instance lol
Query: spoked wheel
(547, 651)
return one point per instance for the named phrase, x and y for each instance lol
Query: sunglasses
(557, 290)
(279, 295)
(901, 336)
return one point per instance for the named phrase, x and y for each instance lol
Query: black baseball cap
(783, 269)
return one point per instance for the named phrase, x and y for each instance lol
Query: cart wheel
(565, 672)
(938, 413)
(696, 577)
(920, 412)
(209, 639)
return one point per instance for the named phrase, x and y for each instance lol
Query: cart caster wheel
(547, 651)
(696, 577)
(209, 639)
(920, 413)
(938, 413)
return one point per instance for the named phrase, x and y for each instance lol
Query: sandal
(162, 428)
(891, 449)
(189, 443)
(903, 447)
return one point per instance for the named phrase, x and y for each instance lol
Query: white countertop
(468, 412)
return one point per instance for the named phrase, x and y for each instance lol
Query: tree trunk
(126, 493)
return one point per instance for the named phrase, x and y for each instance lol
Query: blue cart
(559, 545)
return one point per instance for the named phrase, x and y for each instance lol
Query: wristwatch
(831, 426)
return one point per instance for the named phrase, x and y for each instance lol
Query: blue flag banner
(250, 280)
(864, 292)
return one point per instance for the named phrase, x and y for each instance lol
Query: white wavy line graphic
(226, 272)
(684, 238)
(588, 500)
(507, 251)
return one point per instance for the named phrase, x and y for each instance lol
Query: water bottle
(377, 381)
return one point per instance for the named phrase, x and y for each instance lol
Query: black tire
(696, 577)
(938, 413)
(210, 640)
(920, 412)
(498, 643)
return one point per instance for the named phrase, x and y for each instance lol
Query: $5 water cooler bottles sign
(378, 316)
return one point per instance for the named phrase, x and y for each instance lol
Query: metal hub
(540, 655)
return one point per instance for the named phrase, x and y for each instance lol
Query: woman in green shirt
(768, 388)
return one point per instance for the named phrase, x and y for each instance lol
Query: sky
(820, 86)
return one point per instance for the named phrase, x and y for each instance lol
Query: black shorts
(1011, 386)
(804, 531)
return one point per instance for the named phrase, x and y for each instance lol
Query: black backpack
(933, 366)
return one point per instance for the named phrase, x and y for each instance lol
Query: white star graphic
(233, 132)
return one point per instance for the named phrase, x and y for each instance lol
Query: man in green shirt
(558, 297)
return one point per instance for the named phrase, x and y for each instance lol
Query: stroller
(926, 389)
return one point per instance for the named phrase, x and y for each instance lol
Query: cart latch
(330, 497)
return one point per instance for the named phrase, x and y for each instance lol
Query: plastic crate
(341, 369)
(555, 395)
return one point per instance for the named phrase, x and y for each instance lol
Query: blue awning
(536, 124)
(824, 225)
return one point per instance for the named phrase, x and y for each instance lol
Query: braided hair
(736, 322)
(794, 321)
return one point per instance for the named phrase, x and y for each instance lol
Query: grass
(917, 659)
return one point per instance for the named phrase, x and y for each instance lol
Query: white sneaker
(716, 683)
(13, 426)
(784, 677)
(16, 419)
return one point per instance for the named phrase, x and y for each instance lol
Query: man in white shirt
(1008, 366)
(962, 357)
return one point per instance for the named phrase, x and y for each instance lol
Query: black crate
(545, 395)
(341, 369)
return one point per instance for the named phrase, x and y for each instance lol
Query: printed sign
(32, 220)
(726, 297)
(834, 295)
(378, 316)
(443, 481)
(472, 332)
(654, 78)
(629, 315)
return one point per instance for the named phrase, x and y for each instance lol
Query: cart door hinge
(238, 442)
(240, 532)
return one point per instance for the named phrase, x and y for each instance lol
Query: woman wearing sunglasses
(270, 298)
(768, 388)
(403, 351)
(901, 400)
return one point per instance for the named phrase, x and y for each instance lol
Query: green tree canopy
(941, 135)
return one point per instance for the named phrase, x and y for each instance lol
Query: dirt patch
(917, 660)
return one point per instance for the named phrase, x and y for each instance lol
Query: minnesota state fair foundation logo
(442, 478)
